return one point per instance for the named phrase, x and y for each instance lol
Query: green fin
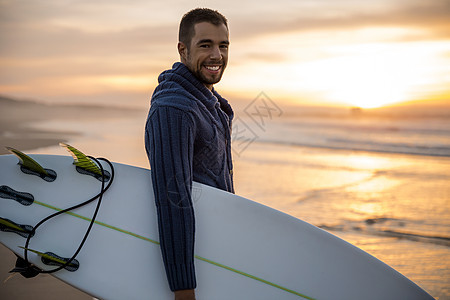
(10, 224)
(7, 225)
(81, 160)
(50, 258)
(30, 166)
(28, 163)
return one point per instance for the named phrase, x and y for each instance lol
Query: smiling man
(188, 138)
(205, 53)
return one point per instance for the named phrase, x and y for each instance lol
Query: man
(188, 138)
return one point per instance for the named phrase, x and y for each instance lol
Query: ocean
(379, 179)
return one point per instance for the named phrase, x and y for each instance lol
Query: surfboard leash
(27, 269)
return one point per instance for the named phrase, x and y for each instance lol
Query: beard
(210, 79)
(199, 72)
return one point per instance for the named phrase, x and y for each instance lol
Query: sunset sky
(351, 52)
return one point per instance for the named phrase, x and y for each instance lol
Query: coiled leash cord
(24, 267)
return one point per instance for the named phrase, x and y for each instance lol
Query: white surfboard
(244, 250)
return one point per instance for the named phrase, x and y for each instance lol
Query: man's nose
(215, 53)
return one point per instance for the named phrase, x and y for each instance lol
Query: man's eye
(204, 46)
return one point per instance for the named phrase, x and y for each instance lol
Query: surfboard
(244, 250)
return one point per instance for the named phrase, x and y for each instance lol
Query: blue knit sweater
(187, 138)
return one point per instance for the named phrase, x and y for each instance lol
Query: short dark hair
(196, 16)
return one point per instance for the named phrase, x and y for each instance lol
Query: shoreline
(17, 120)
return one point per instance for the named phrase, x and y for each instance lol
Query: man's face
(207, 56)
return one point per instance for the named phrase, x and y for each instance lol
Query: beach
(384, 187)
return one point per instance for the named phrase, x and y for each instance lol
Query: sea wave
(407, 130)
(340, 144)
(430, 137)
(388, 227)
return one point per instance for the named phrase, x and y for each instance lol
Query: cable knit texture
(187, 138)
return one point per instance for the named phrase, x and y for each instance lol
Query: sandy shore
(17, 130)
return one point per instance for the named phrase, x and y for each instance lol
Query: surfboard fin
(7, 225)
(84, 164)
(51, 259)
(30, 166)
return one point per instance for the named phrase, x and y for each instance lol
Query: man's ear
(182, 50)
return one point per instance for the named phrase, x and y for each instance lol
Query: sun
(371, 75)
(370, 81)
(370, 93)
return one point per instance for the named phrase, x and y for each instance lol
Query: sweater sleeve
(169, 143)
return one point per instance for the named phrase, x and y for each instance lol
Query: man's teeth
(215, 68)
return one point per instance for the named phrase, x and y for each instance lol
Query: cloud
(264, 56)
(38, 29)
(429, 16)
(40, 41)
